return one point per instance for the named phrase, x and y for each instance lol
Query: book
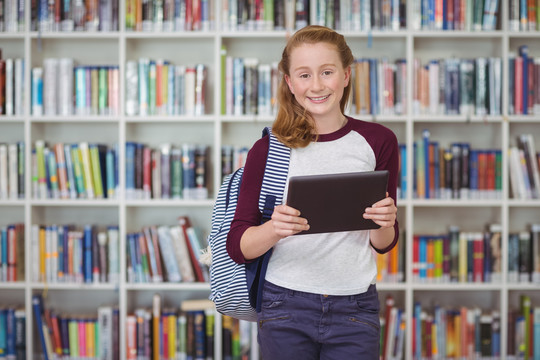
(168, 254)
(43, 333)
(194, 248)
(182, 254)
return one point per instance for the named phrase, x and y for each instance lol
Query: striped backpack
(236, 289)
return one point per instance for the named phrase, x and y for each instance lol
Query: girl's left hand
(383, 212)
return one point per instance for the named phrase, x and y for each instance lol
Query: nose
(317, 84)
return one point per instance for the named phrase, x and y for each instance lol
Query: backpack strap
(275, 175)
(273, 186)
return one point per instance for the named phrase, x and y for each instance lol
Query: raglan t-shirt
(339, 263)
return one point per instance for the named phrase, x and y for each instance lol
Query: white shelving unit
(214, 129)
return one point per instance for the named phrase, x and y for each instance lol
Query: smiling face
(317, 79)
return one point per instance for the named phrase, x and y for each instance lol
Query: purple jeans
(295, 325)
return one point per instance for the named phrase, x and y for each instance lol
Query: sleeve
(387, 154)
(247, 209)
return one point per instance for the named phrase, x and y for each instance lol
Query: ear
(288, 80)
(347, 75)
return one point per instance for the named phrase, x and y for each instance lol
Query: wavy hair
(294, 125)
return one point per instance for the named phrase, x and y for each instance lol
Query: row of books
(523, 83)
(391, 265)
(74, 171)
(247, 15)
(12, 170)
(187, 332)
(524, 255)
(75, 336)
(168, 172)
(458, 256)
(13, 333)
(523, 15)
(11, 86)
(361, 15)
(393, 325)
(455, 333)
(456, 172)
(12, 252)
(524, 168)
(445, 86)
(469, 15)
(524, 330)
(60, 88)
(170, 333)
(170, 15)
(379, 86)
(164, 253)
(12, 19)
(74, 15)
(157, 87)
(458, 86)
(70, 171)
(72, 254)
(178, 15)
(232, 158)
(249, 88)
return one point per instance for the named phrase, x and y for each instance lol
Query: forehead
(313, 54)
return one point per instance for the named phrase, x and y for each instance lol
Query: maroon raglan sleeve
(247, 210)
(385, 146)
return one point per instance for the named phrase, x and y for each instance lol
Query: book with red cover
(478, 258)
(185, 224)
(390, 303)
(518, 86)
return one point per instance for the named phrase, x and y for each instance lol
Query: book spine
(87, 169)
(173, 274)
(190, 81)
(96, 170)
(41, 176)
(62, 171)
(78, 170)
(8, 91)
(37, 304)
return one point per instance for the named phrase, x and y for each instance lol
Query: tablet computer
(336, 202)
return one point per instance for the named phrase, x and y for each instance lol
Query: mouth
(319, 99)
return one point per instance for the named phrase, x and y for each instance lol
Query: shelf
(170, 119)
(170, 203)
(74, 202)
(443, 34)
(457, 118)
(205, 287)
(215, 129)
(456, 286)
(455, 203)
(60, 35)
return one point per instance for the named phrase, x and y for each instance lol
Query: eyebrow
(322, 66)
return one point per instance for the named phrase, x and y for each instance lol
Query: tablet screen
(336, 202)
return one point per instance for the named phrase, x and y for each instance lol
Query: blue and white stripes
(228, 280)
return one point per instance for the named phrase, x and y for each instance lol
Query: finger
(285, 209)
(384, 202)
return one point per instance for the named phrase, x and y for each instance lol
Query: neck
(328, 127)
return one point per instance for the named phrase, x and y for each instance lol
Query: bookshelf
(214, 129)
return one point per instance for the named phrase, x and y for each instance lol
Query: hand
(383, 212)
(287, 221)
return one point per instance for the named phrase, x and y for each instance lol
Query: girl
(319, 299)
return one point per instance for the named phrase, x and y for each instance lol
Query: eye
(304, 76)
(327, 73)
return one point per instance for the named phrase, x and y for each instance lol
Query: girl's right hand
(286, 221)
